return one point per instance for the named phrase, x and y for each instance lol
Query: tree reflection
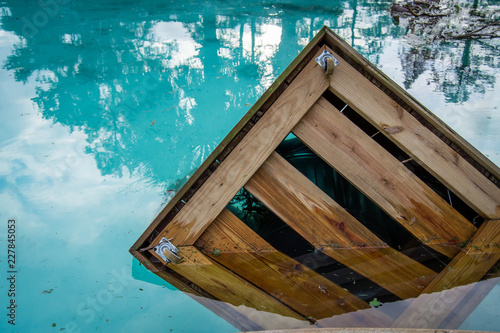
(156, 85)
(468, 69)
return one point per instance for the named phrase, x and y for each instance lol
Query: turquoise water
(106, 108)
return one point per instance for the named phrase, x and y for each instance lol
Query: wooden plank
(326, 225)
(416, 140)
(382, 178)
(453, 284)
(247, 157)
(337, 43)
(470, 265)
(146, 262)
(240, 317)
(265, 98)
(240, 249)
(227, 286)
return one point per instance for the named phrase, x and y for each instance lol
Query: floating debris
(375, 303)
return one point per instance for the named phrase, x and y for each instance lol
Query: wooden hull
(370, 137)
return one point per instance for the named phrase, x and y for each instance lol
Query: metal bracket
(327, 61)
(167, 251)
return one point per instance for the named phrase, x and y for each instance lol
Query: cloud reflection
(172, 41)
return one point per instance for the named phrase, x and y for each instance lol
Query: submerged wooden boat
(336, 190)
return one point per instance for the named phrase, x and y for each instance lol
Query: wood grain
(247, 157)
(339, 236)
(348, 53)
(279, 84)
(382, 178)
(225, 285)
(326, 225)
(416, 140)
(453, 284)
(235, 246)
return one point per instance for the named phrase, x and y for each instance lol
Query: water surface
(108, 107)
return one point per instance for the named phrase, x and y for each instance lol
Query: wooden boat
(337, 186)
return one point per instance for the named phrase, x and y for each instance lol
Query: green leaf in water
(375, 303)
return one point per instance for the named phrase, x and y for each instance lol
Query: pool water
(108, 107)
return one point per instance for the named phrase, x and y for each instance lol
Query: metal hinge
(167, 251)
(327, 61)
